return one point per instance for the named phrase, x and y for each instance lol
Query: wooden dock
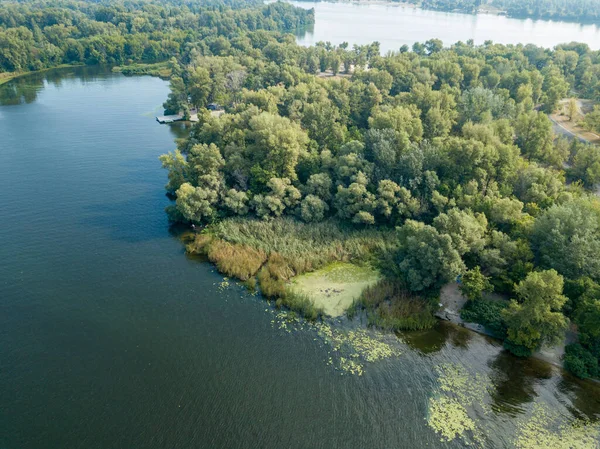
(175, 118)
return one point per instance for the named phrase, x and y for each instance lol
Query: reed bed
(274, 251)
(391, 306)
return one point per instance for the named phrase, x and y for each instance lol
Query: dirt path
(571, 129)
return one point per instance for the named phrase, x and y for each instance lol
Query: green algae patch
(545, 429)
(458, 395)
(335, 287)
(449, 418)
(349, 351)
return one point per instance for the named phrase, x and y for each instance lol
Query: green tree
(276, 144)
(467, 230)
(426, 259)
(536, 318)
(313, 209)
(179, 170)
(567, 238)
(196, 204)
(473, 283)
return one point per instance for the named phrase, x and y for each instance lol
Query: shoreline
(9, 76)
(483, 10)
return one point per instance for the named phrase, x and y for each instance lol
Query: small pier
(174, 118)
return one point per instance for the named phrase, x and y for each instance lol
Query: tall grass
(390, 306)
(307, 247)
(277, 250)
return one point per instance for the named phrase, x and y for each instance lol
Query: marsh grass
(307, 247)
(300, 303)
(239, 261)
(160, 69)
(275, 251)
(390, 306)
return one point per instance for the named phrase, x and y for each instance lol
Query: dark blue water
(110, 337)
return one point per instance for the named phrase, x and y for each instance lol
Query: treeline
(450, 145)
(42, 34)
(570, 10)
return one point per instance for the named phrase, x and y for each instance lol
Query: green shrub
(487, 313)
(518, 350)
(580, 361)
(390, 306)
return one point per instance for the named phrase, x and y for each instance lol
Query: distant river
(110, 337)
(394, 25)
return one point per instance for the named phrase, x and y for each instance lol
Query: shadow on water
(433, 340)
(583, 394)
(515, 380)
(25, 89)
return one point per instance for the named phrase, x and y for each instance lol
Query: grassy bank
(5, 77)
(159, 69)
(269, 254)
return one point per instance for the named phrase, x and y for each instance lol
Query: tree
(396, 203)
(236, 202)
(282, 195)
(536, 317)
(179, 170)
(473, 283)
(196, 204)
(572, 108)
(535, 138)
(586, 165)
(276, 144)
(567, 238)
(177, 98)
(467, 230)
(313, 209)
(426, 259)
(355, 202)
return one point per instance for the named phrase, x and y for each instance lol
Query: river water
(394, 25)
(110, 337)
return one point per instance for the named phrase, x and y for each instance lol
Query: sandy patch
(336, 286)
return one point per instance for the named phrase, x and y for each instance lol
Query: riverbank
(5, 77)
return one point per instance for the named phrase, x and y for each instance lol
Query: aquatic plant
(449, 418)
(459, 392)
(546, 429)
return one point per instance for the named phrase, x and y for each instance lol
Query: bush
(518, 350)
(487, 313)
(580, 362)
(390, 306)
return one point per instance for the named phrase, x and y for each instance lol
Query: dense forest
(40, 34)
(431, 163)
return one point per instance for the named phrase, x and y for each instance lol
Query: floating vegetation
(348, 350)
(468, 388)
(224, 284)
(546, 429)
(459, 392)
(355, 348)
(449, 418)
